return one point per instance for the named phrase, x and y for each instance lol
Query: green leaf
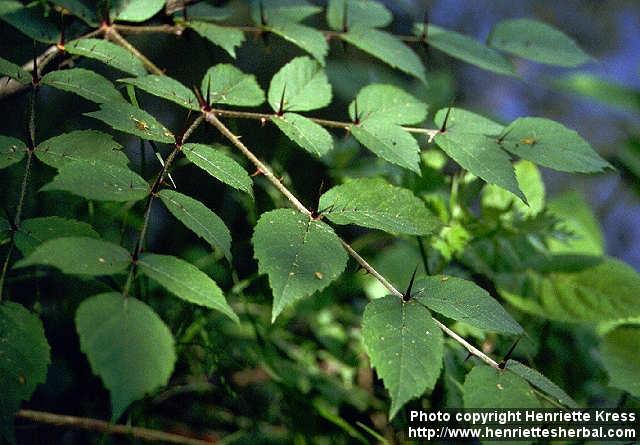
(185, 281)
(127, 345)
(405, 347)
(108, 53)
(305, 132)
(309, 39)
(136, 10)
(79, 256)
(387, 102)
(596, 88)
(601, 292)
(131, 119)
(463, 121)
(223, 36)
(300, 256)
(531, 184)
(366, 13)
(537, 41)
(29, 20)
(204, 11)
(389, 141)
(12, 150)
(465, 48)
(619, 349)
(197, 217)
(576, 218)
(374, 203)
(24, 359)
(166, 88)
(35, 231)
(80, 10)
(388, 48)
(231, 86)
(99, 180)
(552, 145)
(14, 71)
(463, 300)
(211, 159)
(304, 84)
(290, 10)
(84, 83)
(541, 382)
(81, 145)
(486, 387)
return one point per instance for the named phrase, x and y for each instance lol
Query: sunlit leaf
(226, 84)
(304, 85)
(304, 132)
(108, 53)
(130, 119)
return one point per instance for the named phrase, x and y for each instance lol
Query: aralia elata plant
(412, 337)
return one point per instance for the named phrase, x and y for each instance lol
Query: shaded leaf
(530, 183)
(619, 349)
(552, 145)
(366, 13)
(290, 10)
(305, 132)
(387, 102)
(300, 255)
(24, 359)
(14, 71)
(465, 48)
(35, 231)
(405, 347)
(99, 180)
(486, 387)
(80, 10)
(135, 10)
(108, 53)
(223, 36)
(537, 41)
(130, 119)
(84, 83)
(541, 382)
(231, 86)
(577, 219)
(463, 300)
(309, 39)
(212, 160)
(167, 88)
(387, 48)
(594, 87)
(374, 203)
(197, 217)
(389, 141)
(185, 281)
(81, 145)
(79, 256)
(304, 84)
(12, 150)
(127, 345)
(29, 20)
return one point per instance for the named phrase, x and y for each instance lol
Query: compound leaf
(166, 88)
(405, 347)
(185, 281)
(305, 132)
(128, 346)
(537, 41)
(130, 119)
(463, 300)
(108, 53)
(24, 359)
(304, 84)
(99, 180)
(85, 83)
(212, 160)
(300, 255)
(197, 217)
(374, 203)
(81, 145)
(231, 86)
(79, 255)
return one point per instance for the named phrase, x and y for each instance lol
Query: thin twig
(86, 423)
(112, 34)
(210, 117)
(263, 117)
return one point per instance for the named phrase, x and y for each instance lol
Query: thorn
(345, 20)
(503, 363)
(256, 173)
(263, 17)
(501, 138)
(443, 128)
(204, 106)
(425, 27)
(407, 294)
(355, 109)
(469, 355)
(315, 214)
(62, 38)
(208, 90)
(281, 107)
